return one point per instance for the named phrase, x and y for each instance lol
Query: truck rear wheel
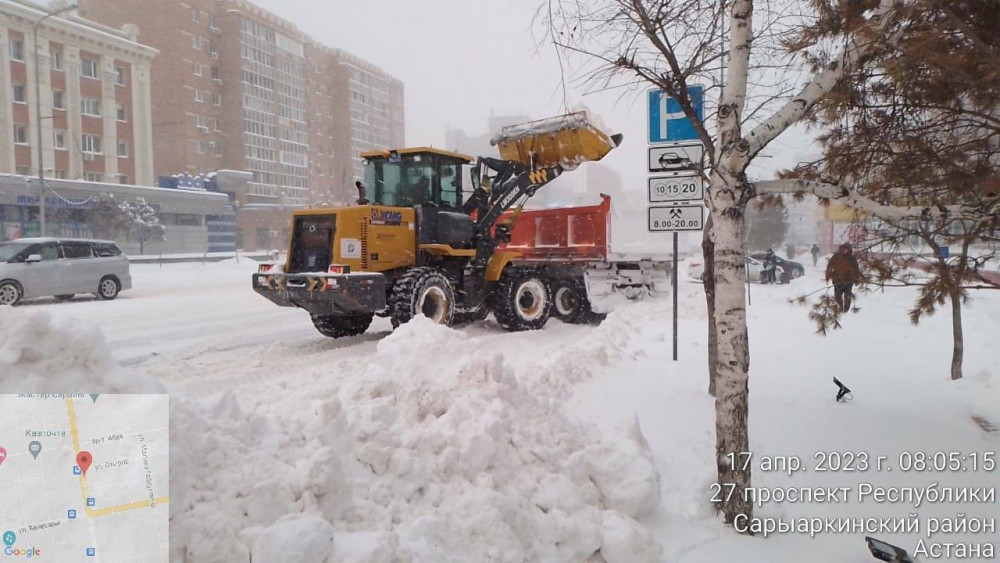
(422, 291)
(339, 326)
(521, 301)
(570, 303)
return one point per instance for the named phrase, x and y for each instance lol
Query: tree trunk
(958, 347)
(732, 390)
(708, 254)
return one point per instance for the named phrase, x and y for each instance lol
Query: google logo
(27, 553)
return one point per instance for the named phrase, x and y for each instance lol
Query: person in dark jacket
(767, 275)
(815, 252)
(843, 272)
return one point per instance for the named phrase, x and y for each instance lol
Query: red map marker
(83, 459)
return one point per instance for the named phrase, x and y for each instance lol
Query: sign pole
(674, 269)
(675, 186)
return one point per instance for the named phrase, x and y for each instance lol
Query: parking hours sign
(669, 189)
(690, 217)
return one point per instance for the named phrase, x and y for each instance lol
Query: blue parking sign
(667, 123)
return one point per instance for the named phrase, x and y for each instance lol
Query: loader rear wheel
(339, 326)
(422, 291)
(521, 301)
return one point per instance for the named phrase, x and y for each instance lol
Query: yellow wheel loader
(416, 245)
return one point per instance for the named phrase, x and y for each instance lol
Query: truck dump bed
(573, 234)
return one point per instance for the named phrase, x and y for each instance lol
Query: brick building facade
(95, 96)
(240, 88)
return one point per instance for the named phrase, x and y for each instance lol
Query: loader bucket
(569, 140)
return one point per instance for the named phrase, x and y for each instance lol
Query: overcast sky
(460, 60)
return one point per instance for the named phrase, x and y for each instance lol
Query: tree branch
(817, 88)
(989, 211)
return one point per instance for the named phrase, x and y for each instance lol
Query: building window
(16, 50)
(213, 23)
(91, 144)
(59, 139)
(195, 15)
(217, 99)
(218, 125)
(216, 75)
(90, 106)
(19, 94)
(124, 179)
(187, 220)
(20, 134)
(22, 170)
(61, 174)
(197, 69)
(88, 68)
(121, 75)
(123, 148)
(57, 60)
(199, 96)
(218, 148)
(93, 176)
(201, 123)
(122, 112)
(196, 42)
(57, 100)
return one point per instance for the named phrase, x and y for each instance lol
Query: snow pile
(415, 459)
(410, 459)
(40, 355)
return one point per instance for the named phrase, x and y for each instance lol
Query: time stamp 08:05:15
(916, 461)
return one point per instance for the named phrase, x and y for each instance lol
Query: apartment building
(237, 87)
(95, 97)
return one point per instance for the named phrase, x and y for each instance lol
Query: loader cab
(419, 176)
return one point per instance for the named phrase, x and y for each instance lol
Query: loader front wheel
(422, 291)
(339, 326)
(521, 301)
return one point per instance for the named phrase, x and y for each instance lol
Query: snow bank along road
(472, 445)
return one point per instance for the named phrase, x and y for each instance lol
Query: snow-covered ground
(433, 444)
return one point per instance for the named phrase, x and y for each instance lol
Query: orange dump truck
(575, 250)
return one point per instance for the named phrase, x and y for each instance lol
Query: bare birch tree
(674, 44)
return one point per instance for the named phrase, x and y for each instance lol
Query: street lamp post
(38, 116)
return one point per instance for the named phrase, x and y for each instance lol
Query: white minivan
(61, 268)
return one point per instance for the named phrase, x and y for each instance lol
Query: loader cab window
(405, 183)
(451, 185)
(415, 179)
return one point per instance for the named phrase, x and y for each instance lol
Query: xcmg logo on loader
(384, 217)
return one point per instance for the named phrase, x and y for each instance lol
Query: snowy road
(201, 328)
(202, 331)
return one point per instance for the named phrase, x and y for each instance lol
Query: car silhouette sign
(676, 158)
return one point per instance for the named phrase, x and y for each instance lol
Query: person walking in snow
(815, 252)
(843, 272)
(770, 267)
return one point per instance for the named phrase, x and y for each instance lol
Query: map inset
(84, 478)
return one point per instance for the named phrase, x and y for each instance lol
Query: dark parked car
(793, 269)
